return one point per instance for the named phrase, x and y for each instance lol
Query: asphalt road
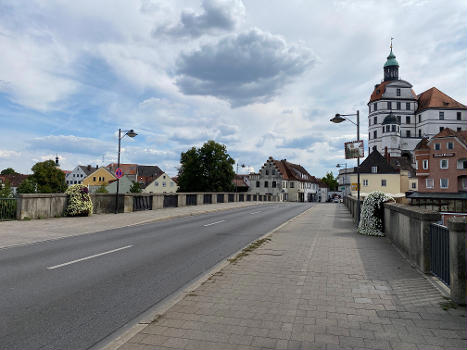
(74, 292)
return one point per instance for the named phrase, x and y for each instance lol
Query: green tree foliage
(206, 169)
(330, 181)
(102, 189)
(136, 188)
(48, 177)
(27, 186)
(8, 171)
(5, 190)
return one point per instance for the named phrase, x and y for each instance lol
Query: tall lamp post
(339, 165)
(243, 166)
(131, 133)
(339, 118)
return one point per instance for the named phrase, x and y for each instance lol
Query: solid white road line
(213, 223)
(88, 257)
(256, 212)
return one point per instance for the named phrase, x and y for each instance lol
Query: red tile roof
(461, 135)
(127, 169)
(379, 90)
(291, 171)
(433, 98)
(14, 179)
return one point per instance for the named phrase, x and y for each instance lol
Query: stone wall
(41, 206)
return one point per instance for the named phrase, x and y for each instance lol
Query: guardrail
(7, 209)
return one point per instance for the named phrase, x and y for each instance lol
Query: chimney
(387, 155)
(97, 166)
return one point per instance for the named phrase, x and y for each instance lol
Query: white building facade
(398, 119)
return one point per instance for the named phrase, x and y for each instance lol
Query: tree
(5, 190)
(330, 181)
(8, 171)
(27, 186)
(48, 177)
(206, 169)
(136, 188)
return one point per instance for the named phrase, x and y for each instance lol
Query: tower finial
(391, 43)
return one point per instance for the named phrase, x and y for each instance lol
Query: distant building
(288, 181)
(161, 184)
(14, 180)
(398, 118)
(78, 174)
(99, 177)
(241, 183)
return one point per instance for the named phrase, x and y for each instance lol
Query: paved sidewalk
(316, 285)
(23, 232)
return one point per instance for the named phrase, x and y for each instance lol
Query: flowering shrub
(79, 201)
(372, 212)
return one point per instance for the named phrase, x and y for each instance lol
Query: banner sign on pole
(354, 149)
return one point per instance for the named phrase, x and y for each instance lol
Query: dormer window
(374, 169)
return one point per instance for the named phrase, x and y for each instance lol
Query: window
(443, 183)
(425, 164)
(459, 116)
(273, 172)
(374, 169)
(274, 184)
(462, 163)
(93, 178)
(266, 184)
(389, 105)
(398, 93)
(450, 145)
(267, 172)
(459, 129)
(399, 119)
(369, 137)
(164, 184)
(407, 133)
(74, 175)
(375, 120)
(292, 184)
(383, 183)
(383, 129)
(375, 134)
(156, 183)
(414, 185)
(407, 106)
(407, 120)
(393, 128)
(257, 184)
(163, 177)
(419, 118)
(388, 128)
(365, 182)
(429, 183)
(398, 105)
(441, 115)
(443, 164)
(374, 148)
(437, 146)
(419, 133)
(441, 128)
(376, 106)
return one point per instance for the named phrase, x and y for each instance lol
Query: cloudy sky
(262, 77)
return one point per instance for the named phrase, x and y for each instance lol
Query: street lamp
(243, 166)
(339, 118)
(131, 133)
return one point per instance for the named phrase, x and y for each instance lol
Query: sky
(262, 77)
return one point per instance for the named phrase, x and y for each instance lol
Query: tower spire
(391, 43)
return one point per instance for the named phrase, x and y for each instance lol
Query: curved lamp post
(130, 133)
(339, 118)
(243, 166)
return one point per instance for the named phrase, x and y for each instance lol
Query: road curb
(124, 334)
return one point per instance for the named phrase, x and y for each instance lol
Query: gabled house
(99, 177)
(378, 174)
(289, 181)
(241, 183)
(161, 184)
(78, 174)
(147, 174)
(126, 181)
(14, 180)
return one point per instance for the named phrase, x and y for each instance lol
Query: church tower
(391, 67)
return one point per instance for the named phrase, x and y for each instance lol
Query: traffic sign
(118, 173)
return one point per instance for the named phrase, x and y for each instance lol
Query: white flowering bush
(79, 201)
(371, 216)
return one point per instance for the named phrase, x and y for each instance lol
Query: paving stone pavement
(316, 284)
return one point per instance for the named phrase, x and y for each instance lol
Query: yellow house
(163, 184)
(101, 176)
(376, 174)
